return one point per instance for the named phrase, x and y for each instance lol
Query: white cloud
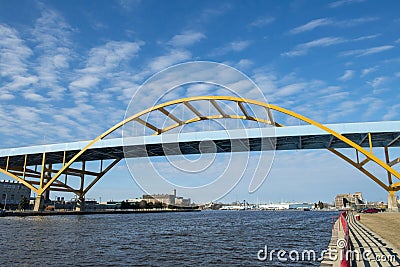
(348, 74)
(52, 37)
(240, 45)
(366, 37)
(186, 38)
(86, 81)
(111, 55)
(303, 48)
(128, 5)
(261, 22)
(235, 46)
(367, 51)
(344, 2)
(14, 53)
(244, 63)
(32, 96)
(311, 25)
(367, 71)
(6, 96)
(174, 57)
(392, 113)
(354, 22)
(21, 81)
(378, 81)
(316, 23)
(290, 89)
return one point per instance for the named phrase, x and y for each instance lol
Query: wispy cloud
(14, 53)
(367, 51)
(303, 48)
(344, 2)
(348, 74)
(128, 5)
(262, 21)
(366, 37)
(235, 46)
(52, 35)
(378, 81)
(367, 71)
(311, 25)
(316, 23)
(173, 57)
(186, 38)
(104, 63)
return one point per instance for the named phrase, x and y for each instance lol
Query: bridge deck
(285, 138)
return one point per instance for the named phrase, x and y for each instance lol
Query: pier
(354, 244)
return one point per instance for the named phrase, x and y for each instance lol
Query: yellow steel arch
(213, 100)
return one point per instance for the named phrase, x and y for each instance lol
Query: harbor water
(207, 238)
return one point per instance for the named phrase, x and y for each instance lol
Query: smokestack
(174, 192)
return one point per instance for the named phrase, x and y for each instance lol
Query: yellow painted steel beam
(395, 186)
(24, 170)
(8, 161)
(42, 173)
(370, 142)
(186, 101)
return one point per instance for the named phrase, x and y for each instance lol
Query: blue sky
(68, 70)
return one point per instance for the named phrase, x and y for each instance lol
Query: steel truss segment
(363, 170)
(170, 115)
(115, 162)
(394, 162)
(395, 186)
(212, 99)
(393, 141)
(387, 157)
(217, 107)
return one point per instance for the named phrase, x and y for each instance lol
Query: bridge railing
(344, 262)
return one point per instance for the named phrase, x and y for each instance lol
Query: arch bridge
(48, 168)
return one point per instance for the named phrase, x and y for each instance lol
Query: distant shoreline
(56, 213)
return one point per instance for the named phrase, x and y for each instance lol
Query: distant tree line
(150, 205)
(142, 205)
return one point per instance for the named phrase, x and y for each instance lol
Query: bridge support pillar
(392, 202)
(80, 205)
(39, 203)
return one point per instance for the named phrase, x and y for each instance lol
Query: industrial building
(168, 199)
(11, 193)
(343, 201)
